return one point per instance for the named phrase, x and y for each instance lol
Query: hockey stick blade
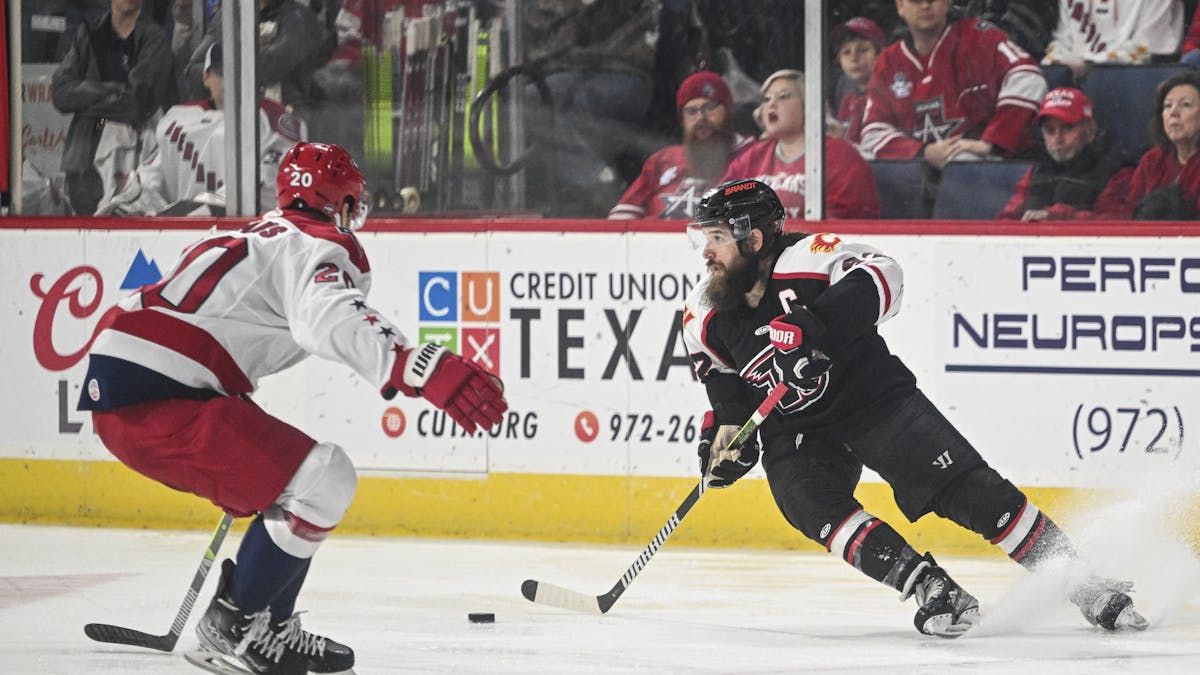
(103, 632)
(564, 598)
(542, 593)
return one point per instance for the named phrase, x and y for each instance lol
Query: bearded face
(728, 282)
(708, 142)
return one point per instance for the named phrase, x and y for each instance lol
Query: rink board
(1070, 361)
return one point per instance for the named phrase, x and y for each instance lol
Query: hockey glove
(470, 395)
(797, 360)
(721, 466)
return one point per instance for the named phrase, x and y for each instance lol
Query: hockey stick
(543, 593)
(103, 632)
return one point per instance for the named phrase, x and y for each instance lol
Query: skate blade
(1131, 619)
(944, 625)
(214, 662)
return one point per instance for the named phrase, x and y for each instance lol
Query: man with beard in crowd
(1081, 173)
(673, 179)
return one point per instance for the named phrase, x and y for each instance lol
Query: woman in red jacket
(778, 159)
(1166, 183)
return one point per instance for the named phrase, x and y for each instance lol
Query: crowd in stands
(655, 101)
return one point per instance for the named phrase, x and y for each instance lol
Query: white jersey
(240, 305)
(1115, 31)
(186, 158)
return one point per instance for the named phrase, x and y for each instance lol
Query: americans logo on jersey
(760, 373)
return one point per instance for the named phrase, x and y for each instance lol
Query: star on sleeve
(386, 331)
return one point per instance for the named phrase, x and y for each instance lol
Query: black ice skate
(1106, 603)
(323, 655)
(946, 610)
(233, 641)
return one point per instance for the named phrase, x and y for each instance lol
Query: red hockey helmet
(321, 177)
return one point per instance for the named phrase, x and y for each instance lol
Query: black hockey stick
(543, 593)
(103, 632)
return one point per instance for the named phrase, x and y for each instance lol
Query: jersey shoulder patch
(809, 258)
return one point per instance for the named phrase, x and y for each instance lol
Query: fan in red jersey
(778, 159)
(953, 89)
(673, 179)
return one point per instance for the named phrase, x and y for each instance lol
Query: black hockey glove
(797, 359)
(722, 466)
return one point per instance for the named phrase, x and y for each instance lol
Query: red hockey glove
(470, 395)
(721, 466)
(797, 360)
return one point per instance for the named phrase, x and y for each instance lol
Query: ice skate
(232, 641)
(323, 654)
(946, 610)
(1106, 603)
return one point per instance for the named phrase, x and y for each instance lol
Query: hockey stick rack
(543, 593)
(103, 632)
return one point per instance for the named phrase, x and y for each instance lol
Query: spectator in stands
(184, 169)
(1103, 32)
(856, 44)
(953, 89)
(1166, 183)
(292, 44)
(674, 178)
(117, 71)
(1080, 173)
(597, 58)
(881, 12)
(778, 159)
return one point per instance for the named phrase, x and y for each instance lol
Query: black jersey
(852, 288)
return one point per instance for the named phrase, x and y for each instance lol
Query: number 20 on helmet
(321, 177)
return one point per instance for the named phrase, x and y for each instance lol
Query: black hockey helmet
(741, 205)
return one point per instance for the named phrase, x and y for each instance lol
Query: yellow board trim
(544, 507)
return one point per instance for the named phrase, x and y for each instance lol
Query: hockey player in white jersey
(804, 310)
(170, 373)
(183, 172)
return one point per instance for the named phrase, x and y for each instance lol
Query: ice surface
(403, 605)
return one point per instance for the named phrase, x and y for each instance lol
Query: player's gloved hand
(794, 336)
(470, 395)
(721, 466)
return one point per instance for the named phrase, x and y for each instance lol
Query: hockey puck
(482, 617)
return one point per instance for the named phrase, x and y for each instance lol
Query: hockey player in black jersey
(804, 309)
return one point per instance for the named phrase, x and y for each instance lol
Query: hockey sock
(264, 571)
(873, 548)
(284, 604)
(1031, 538)
(984, 502)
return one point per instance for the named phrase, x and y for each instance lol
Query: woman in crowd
(778, 159)
(1166, 183)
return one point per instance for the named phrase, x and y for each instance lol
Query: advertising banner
(1067, 361)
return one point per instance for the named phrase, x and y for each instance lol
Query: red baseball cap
(859, 26)
(1067, 104)
(703, 84)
